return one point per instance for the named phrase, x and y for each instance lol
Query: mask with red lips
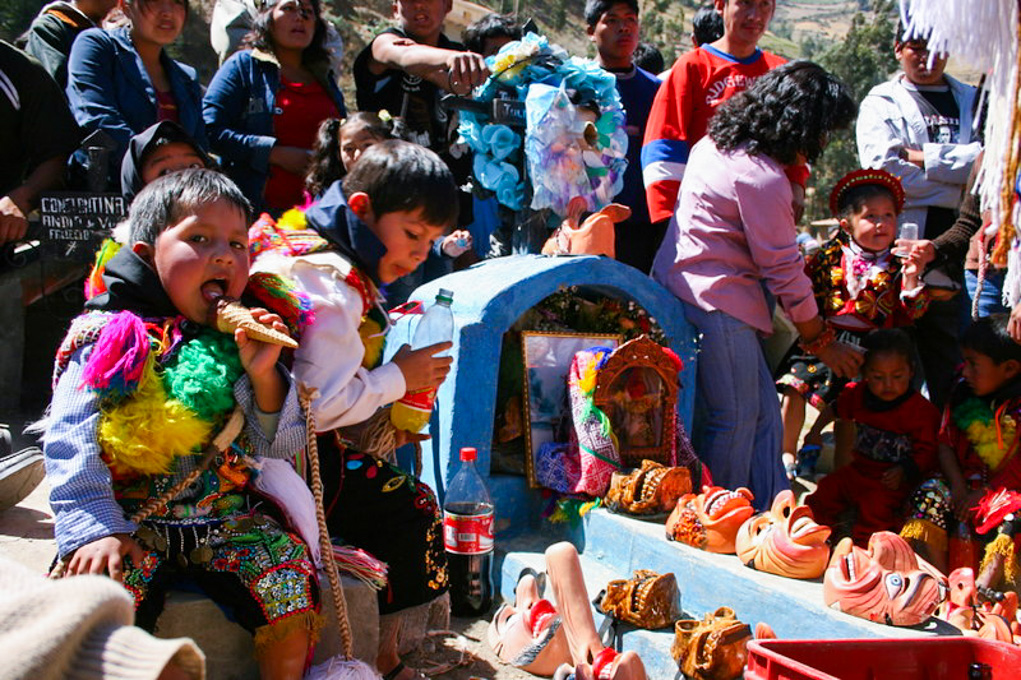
(710, 520)
(885, 584)
(785, 540)
(529, 634)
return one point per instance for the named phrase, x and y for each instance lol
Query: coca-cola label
(468, 534)
(420, 400)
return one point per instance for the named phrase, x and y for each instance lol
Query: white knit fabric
(79, 628)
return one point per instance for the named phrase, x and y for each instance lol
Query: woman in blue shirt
(264, 105)
(123, 81)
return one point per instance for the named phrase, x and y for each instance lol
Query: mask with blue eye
(886, 583)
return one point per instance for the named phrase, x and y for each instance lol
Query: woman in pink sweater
(730, 254)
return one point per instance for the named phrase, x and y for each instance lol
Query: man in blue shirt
(614, 28)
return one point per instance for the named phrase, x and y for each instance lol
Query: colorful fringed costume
(857, 291)
(139, 393)
(983, 433)
(370, 502)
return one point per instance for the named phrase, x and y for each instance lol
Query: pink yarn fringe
(119, 355)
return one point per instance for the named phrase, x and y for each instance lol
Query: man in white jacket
(918, 126)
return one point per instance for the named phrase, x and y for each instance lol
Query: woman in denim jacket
(123, 81)
(264, 105)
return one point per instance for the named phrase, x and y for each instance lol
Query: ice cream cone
(229, 315)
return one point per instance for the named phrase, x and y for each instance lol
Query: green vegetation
(864, 59)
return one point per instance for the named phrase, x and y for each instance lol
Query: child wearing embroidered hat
(156, 414)
(859, 286)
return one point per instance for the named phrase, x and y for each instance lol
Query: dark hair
(789, 110)
(401, 176)
(707, 25)
(889, 341)
(988, 336)
(648, 57)
(853, 199)
(326, 166)
(490, 26)
(167, 200)
(261, 35)
(142, 4)
(595, 9)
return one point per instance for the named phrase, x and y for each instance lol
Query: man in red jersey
(697, 84)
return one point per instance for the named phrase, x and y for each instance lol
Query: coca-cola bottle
(468, 538)
(412, 411)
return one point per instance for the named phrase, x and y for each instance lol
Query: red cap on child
(468, 453)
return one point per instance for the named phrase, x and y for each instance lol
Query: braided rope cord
(983, 268)
(305, 396)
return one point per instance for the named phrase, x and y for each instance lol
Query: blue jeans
(990, 301)
(737, 413)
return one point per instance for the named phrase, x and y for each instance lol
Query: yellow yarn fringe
(292, 219)
(373, 339)
(145, 433)
(992, 442)
(269, 635)
(1003, 545)
(924, 531)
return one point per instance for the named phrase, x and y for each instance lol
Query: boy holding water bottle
(860, 285)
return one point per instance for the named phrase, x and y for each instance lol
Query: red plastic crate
(930, 658)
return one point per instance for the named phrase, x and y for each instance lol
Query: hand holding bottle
(421, 368)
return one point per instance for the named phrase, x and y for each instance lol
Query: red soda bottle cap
(468, 453)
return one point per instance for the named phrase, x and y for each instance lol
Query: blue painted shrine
(488, 299)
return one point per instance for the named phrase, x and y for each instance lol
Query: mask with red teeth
(885, 584)
(711, 519)
(785, 540)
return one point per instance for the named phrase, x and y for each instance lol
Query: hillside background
(852, 38)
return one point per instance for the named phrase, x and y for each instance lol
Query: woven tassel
(1003, 545)
(280, 295)
(118, 357)
(924, 531)
(271, 633)
(361, 565)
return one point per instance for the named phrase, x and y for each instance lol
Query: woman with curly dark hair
(264, 105)
(731, 250)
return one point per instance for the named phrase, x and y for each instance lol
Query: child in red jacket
(894, 441)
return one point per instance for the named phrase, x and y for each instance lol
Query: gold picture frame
(547, 360)
(637, 390)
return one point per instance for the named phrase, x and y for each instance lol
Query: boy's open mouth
(214, 289)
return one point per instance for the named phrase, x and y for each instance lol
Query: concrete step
(26, 536)
(613, 546)
(228, 647)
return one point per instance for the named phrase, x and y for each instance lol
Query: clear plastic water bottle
(412, 411)
(468, 538)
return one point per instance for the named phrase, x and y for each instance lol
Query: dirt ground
(480, 663)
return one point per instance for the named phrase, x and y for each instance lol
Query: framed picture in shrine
(547, 361)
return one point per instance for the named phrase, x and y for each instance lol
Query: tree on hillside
(864, 59)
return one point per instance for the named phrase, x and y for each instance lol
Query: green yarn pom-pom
(202, 373)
